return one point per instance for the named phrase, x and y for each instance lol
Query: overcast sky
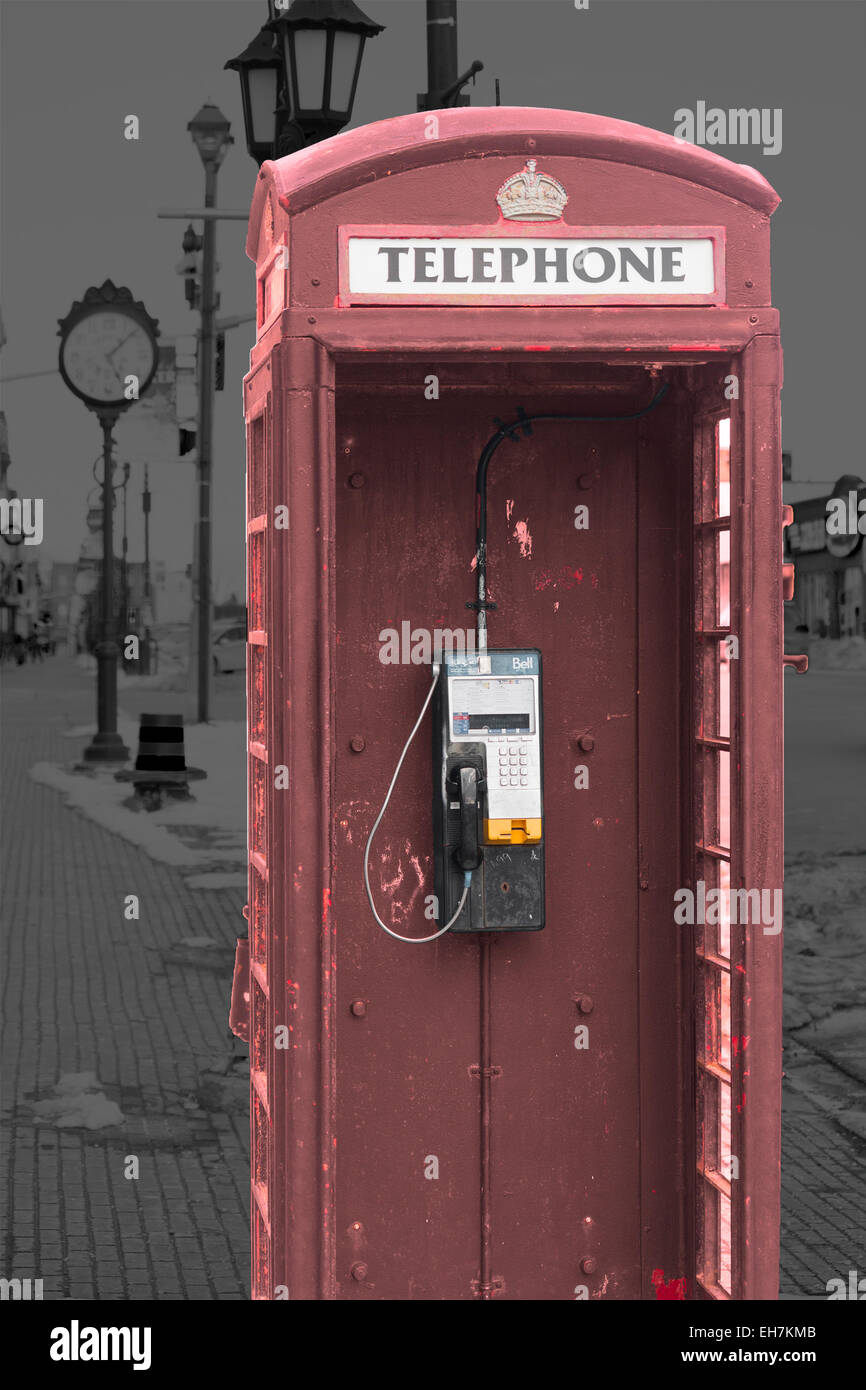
(79, 201)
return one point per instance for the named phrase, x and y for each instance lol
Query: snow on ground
(209, 831)
(78, 1101)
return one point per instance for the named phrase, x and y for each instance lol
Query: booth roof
(391, 147)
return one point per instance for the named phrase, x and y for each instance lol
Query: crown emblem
(532, 197)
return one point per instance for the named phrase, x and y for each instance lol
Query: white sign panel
(517, 269)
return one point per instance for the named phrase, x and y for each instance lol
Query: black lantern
(260, 68)
(322, 44)
(210, 132)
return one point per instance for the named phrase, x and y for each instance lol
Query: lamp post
(108, 358)
(444, 86)
(210, 133)
(306, 61)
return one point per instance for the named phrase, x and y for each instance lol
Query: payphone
(487, 791)
(487, 794)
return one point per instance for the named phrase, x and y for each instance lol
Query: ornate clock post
(108, 357)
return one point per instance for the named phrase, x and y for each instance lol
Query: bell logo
(522, 663)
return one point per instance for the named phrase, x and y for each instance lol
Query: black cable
(523, 422)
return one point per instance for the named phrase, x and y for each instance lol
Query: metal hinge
(477, 1070)
(496, 1285)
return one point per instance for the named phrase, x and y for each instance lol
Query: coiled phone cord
(467, 872)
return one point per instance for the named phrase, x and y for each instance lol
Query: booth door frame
(298, 367)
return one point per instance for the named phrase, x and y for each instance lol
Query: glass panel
(263, 101)
(708, 771)
(259, 1030)
(343, 62)
(706, 932)
(256, 708)
(256, 463)
(723, 819)
(258, 918)
(713, 579)
(713, 693)
(708, 1233)
(725, 1242)
(258, 803)
(723, 934)
(310, 60)
(724, 728)
(724, 1053)
(709, 1155)
(723, 468)
(712, 1010)
(724, 589)
(256, 578)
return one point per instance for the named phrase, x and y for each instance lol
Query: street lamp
(310, 73)
(210, 132)
(260, 70)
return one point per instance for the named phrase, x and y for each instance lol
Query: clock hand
(122, 341)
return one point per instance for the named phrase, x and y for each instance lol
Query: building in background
(828, 569)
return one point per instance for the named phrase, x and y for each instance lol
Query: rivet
(315, 280)
(357, 479)
(359, 1271)
(359, 1008)
(753, 318)
(644, 885)
(586, 742)
(750, 284)
(585, 481)
(586, 1004)
(588, 1265)
(530, 144)
(311, 318)
(358, 744)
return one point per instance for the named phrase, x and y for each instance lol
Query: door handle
(799, 663)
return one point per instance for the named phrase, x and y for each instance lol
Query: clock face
(102, 350)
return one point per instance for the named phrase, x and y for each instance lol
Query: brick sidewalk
(87, 991)
(823, 1175)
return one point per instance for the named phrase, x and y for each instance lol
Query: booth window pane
(724, 1040)
(723, 816)
(256, 473)
(724, 726)
(713, 690)
(713, 579)
(725, 1242)
(258, 918)
(723, 935)
(723, 467)
(256, 579)
(724, 582)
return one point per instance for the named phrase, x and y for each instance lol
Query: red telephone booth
(575, 1092)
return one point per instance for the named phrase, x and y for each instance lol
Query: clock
(104, 341)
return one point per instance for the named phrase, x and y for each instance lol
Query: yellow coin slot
(513, 832)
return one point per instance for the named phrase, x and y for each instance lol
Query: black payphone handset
(488, 815)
